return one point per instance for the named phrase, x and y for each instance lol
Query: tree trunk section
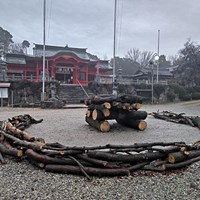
(102, 126)
(68, 169)
(136, 124)
(181, 156)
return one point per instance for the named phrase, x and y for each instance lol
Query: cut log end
(142, 125)
(88, 113)
(104, 126)
(136, 106)
(171, 158)
(107, 105)
(19, 153)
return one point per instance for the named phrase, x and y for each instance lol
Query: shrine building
(67, 65)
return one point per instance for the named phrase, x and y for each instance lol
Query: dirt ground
(68, 126)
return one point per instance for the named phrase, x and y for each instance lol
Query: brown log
(126, 158)
(102, 126)
(39, 158)
(137, 166)
(61, 152)
(11, 151)
(111, 114)
(180, 156)
(69, 169)
(136, 124)
(7, 144)
(18, 133)
(100, 114)
(23, 143)
(97, 115)
(92, 160)
(181, 164)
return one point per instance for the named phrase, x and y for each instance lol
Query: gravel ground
(21, 180)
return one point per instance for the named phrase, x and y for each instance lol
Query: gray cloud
(89, 23)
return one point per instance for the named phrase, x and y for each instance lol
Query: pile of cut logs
(108, 160)
(123, 109)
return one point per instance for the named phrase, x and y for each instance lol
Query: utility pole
(43, 68)
(114, 47)
(158, 52)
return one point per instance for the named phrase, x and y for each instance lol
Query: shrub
(196, 95)
(159, 89)
(171, 96)
(179, 90)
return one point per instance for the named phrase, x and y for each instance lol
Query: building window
(82, 76)
(91, 77)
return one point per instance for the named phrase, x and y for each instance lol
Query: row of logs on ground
(108, 160)
(180, 118)
(124, 109)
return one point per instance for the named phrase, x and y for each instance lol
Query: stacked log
(123, 109)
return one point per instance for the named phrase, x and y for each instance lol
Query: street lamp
(154, 59)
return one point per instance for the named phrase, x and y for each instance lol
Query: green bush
(171, 96)
(196, 95)
(187, 97)
(159, 89)
(179, 90)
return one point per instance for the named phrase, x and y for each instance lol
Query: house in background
(67, 65)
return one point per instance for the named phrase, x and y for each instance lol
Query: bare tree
(133, 54)
(141, 57)
(145, 57)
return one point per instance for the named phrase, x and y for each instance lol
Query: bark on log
(32, 155)
(93, 161)
(181, 164)
(136, 115)
(181, 156)
(68, 169)
(136, 124)
(102, 126)
(11, 151)
(18, 133)
(137, 166)
(23, 143)
(98, 115)
(126, 158)
(61, 152)
(123, 99)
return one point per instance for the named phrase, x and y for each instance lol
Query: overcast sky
(89, 24)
